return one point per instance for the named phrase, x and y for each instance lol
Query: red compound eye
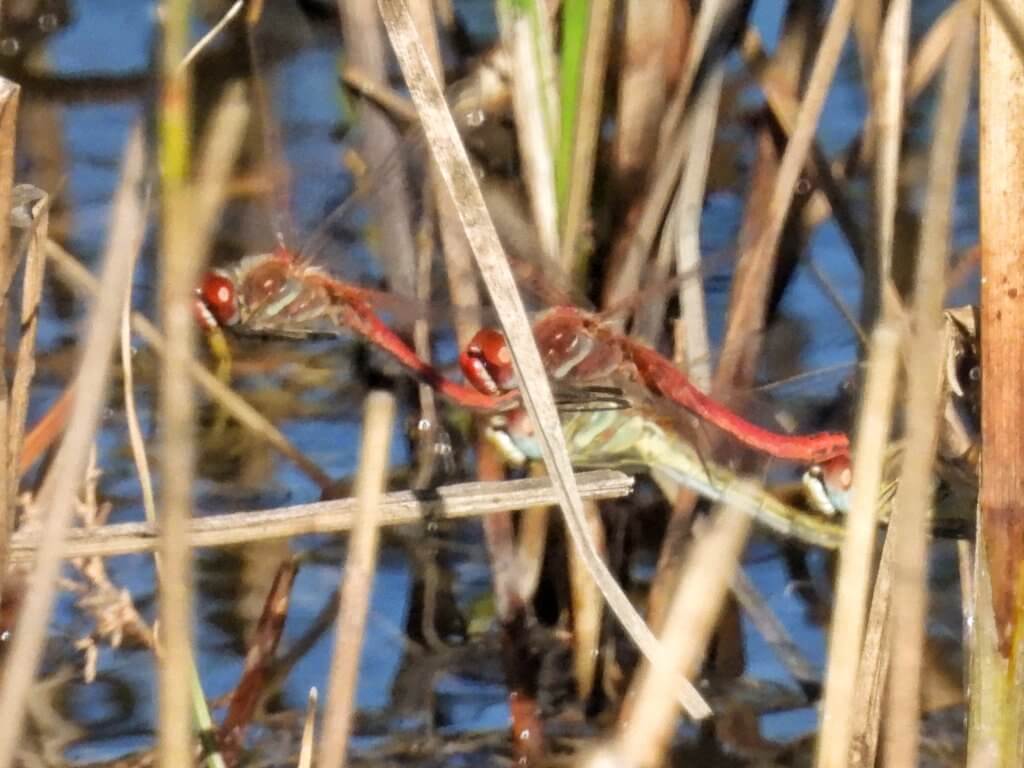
(487, 363)
(217, 292)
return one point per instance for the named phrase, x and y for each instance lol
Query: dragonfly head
(217, 300)
(487, 362)
(828, 485)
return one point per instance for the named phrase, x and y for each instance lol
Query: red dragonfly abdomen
(662, 377)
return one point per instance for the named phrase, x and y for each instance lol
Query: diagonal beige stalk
(451, 158)
(913, 499)
(357, 584)
(57, 495)
(855, 556)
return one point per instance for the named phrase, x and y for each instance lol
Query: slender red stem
(661, 376)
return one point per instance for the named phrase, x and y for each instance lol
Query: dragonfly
(280, 293)
(576, 346)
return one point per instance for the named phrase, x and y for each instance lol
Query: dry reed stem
(71, 271)
(873, 666)
(867, 22)
(804, 126)
(888, 93)
(358, 575)
(388, 99)
(689, 623)
(450, 502)
(527, 37)
(913, 499)
(641, 87)
(995, 734)
(308, 732)
(587, 608)
(365, 48)
(710, 15)
(9, 98)
(587, 131)
(532, 542)
(828, 199)
(1009, 23)
(178, 276)
(204, 42)
(856, 554)
(25, 362)
(773, 630)
(60, 487)
(445, 143)
(692, 326)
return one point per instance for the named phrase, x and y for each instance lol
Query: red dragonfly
(577, 347)
(277, 293)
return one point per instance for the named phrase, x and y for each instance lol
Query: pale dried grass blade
(450, 502)
(10, 94)
(178, 265)
(913, 499)
(587, 609)
(308, 732)
(451, 158)
(643, 735)
(692, 325)
(856, 554)
(214, 32)
(805, 124)
(888, 115)
(61, 484)
(25, 361)
(357, 583)
(773, 630)
(873, 667)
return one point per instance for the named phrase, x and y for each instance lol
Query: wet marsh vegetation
(708, 490)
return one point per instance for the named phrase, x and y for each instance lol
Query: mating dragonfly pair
(279, 294)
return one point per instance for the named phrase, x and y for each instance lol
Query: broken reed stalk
(9, 98)
(887, 113)
(997, 695)
(25, 363)
(924, 380)
(57, 495)
(179, 272)
(642, 740)
(856, 555)
(357, 578)
(450, 154)
(873, 666)
(306, 748)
